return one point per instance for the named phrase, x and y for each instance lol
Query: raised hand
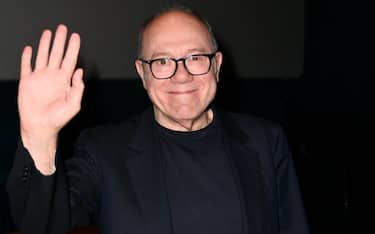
(49, 95)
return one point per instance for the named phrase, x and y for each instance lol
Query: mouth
(182, 92)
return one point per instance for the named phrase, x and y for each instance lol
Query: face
(183, 97)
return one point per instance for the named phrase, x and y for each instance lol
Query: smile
(182, 92)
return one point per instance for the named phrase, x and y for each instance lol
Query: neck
(185, 125)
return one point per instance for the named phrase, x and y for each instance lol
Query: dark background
(328, 113)
(265, 37)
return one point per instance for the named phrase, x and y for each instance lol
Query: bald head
(175, 14)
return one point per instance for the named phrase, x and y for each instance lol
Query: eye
(161, 61)
(195, 58)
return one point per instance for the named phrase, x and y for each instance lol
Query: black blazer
(114, 179)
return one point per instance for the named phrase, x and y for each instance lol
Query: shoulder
(262, 134)
(111, 134)
(266, 136)
(250, 124)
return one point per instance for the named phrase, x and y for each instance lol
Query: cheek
(155, 90)
(209, 90)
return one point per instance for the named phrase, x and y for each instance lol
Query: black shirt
(199, 180)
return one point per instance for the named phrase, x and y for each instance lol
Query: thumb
(77, 87)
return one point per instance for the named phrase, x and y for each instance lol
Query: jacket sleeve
(292, 219)
(50, 204)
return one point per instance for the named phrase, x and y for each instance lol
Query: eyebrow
(188, 52)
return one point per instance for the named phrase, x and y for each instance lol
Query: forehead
(175, 33)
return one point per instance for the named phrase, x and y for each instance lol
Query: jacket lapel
(248, 176)
(147, 179)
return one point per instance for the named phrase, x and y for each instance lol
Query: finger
(70, 60)
(77, 88)
(43, 49)
(26, 61)
(57, 50)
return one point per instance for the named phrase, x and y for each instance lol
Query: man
(180, 167)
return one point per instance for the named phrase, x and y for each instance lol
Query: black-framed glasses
(165, 68)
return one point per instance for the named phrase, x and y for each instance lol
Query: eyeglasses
(165, 68)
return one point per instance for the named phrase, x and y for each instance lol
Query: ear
(141, 72)
(217, 64)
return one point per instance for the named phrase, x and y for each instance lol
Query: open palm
(50, 94)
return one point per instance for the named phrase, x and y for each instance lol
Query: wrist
(45, 168)
(42, 149)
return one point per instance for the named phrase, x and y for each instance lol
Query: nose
(181, 75)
